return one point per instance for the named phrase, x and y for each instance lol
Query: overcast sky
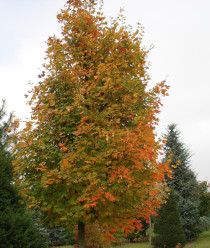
(179, 31)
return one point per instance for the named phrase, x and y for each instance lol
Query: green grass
(68, 246)
(135, 245)
(202, 242)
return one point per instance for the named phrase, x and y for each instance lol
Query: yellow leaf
(52, 103)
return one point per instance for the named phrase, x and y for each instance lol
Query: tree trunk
(150, 232)
(81, 234)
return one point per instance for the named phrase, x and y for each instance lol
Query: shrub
(17, 229)
(204, 223)
(168, 227)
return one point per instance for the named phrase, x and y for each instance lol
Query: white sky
(179, 30)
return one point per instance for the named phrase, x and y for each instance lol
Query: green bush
(168, 229)
(204, 223)
(59, 235)
(17, 230)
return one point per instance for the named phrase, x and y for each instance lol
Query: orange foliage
(94, 151)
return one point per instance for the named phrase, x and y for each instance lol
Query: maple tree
(89, 151)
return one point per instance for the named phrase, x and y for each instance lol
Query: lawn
(135, 245)
(202, 242)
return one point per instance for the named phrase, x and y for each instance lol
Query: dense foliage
(204, 223)
(204, 207)
(59, 235)
(204, 196)
(16, 226)
(89, 152)
(139, 232)
(168, 228)
(183, 182)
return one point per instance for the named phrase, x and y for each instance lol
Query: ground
(202, 242)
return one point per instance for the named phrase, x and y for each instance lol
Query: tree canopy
(89, 151)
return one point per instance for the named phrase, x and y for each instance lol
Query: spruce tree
(17, 229)
(183, 182)
(168, 226)
(204, 196)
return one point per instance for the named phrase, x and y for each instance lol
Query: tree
(89, 152)
(204, 195)
(183, 182)
(16, 226)
(168, 226)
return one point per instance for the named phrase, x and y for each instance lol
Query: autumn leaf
(90, 146)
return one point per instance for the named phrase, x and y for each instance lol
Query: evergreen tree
(183, 182)
(168, 226)
(204, 195)
(59, 235)
(17, 229)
